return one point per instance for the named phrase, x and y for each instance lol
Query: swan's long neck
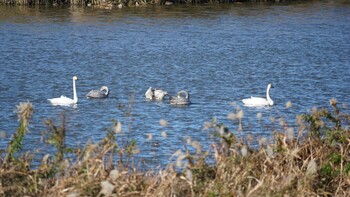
(182, 93)
(107, 91)
(268, 96)
(75, 98)
(187, 95)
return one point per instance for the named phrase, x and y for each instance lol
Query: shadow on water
(81, 14)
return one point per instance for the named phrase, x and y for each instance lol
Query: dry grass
(314, 162)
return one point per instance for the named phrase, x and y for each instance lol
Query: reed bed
(121, 3)
(310, 160)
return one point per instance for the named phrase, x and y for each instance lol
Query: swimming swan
(64, 100)
(258, 101)
(182, 98)
(102, 93)
(155, 94)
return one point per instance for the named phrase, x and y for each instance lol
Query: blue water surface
(219, 53)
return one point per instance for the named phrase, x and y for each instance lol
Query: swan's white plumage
(159, 94)
(155, 94)
(255, 101)
(65, 100)
(259, 101)
(149, 93)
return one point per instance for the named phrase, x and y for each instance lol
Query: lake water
(220, 54)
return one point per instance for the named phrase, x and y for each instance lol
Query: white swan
(102, 93)
(182, 98)
(155, 94)
(64, 100)
(259, 101)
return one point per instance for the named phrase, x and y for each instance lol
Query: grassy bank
(120, 3)
(310, 160)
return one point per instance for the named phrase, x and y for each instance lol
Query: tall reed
(124, 2)
(24, 112)
(313, 161)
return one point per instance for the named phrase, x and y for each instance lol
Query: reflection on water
(220, 54)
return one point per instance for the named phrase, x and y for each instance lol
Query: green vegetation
(119, 3)
(314, 161)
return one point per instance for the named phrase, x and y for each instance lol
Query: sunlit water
(220, 54)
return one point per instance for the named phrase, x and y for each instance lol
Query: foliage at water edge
(310, 160)
(131, 3)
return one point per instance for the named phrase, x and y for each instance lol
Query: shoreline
(131, 3)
